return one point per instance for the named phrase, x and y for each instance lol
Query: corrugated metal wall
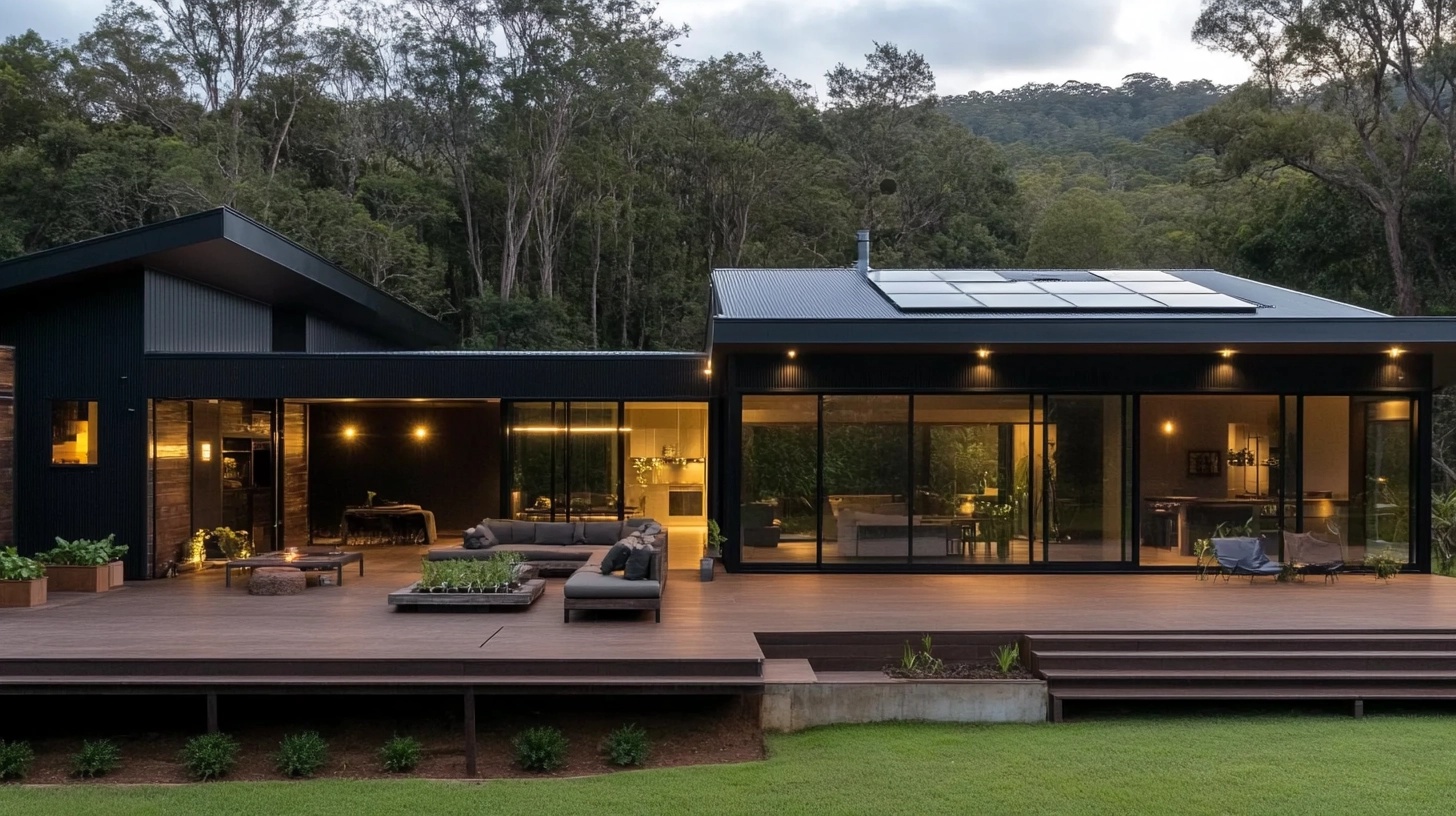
(323, 336)
(80, 341)
(7, 446)
(186, 316)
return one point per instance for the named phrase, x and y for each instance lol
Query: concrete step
(1143, 661)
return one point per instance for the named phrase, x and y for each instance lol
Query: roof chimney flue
(864, 252)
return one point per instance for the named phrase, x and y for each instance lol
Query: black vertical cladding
(81, 341)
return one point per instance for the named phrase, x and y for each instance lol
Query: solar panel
(1075, 290)
(936, 302)
(1042, 301)
(1004, 288)
(1123, 275)
(970, 276)
(916, 288)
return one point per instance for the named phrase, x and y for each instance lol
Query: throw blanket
(646, 535)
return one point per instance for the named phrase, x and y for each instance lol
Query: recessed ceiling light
(983, 353)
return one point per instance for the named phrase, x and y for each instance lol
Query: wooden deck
(192, 632)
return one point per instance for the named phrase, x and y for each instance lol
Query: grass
(1312, 764)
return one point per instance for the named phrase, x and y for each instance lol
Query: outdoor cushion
(1244, 556)
(616, 558)
(585, 583)
(557, 533)
(604, 533)
(500, 528)
(530, 552)
(638, 563)
(479, 537)
(522, 532)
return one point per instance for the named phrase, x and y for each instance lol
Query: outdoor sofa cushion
(638, 564)
(587, 583)
(603, 533)
(512, 532)
(1244, 556)
(555, 533)
(615, 559)
(530, 552)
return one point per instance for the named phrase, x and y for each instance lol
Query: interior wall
(1200, 423)
(454, 472)
(296, 527)
(1327, 445)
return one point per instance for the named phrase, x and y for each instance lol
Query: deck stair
(1387, 665)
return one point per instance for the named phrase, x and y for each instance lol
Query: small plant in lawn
(15, 759)
(301, 754)
(1007, 657)
(210, 756)
(626, 746)
(400, 754)
(540, 749)
(96, 758)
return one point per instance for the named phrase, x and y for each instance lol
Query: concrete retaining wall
(796, 706)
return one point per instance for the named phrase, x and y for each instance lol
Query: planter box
(796, 706)
(408, 598)
(118, 574)
(23, 593)
(81, 579)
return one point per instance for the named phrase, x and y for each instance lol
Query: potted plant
(712, 550)
(84, 565)
(22, 580)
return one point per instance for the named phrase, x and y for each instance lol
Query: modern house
(208, 372)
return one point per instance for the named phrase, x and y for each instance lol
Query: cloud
(958, 37)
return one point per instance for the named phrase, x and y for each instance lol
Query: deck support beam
(212, 712)
(1054, 708)
(1359, 709)
(470, 756)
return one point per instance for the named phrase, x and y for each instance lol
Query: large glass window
(778, 516)
(865, 513)
(1357, 474)
(1211, 464)
(536, 464)
(666, 470)
(1083, 481)
(73, 432)
(592, 468)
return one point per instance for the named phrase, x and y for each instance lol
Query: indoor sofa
(556, 548)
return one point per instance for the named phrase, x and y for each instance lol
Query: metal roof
(227, 250)
(844, 294)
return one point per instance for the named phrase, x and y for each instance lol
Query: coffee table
(407, 598)
(308, 559)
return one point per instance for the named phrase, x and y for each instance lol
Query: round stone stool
(276, 581)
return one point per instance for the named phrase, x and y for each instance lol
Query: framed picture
(1205, 463)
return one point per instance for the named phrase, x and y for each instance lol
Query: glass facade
(1026, 480)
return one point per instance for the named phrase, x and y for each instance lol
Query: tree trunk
(1406, 301)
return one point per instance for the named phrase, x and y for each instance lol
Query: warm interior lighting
(572, 429)
(421, 432)
(1168, 427)
(1395, 352)
(984, 354)
(205, 452)
(793, 354)
(1226, 353)
(350, 432)
(708, 371)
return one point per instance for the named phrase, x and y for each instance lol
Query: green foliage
(16, 567)
(1082, 228)
(400, 754)
(540, 749)
(15, 759)
(1288, 573)
(231, 543)
(470, 575)
(920, 661)
(716, 538)
(83, 552)
(1443, 530)
(301, 754)
(1007, 657)
(96, 758)
(210, 756)
(1385, 567)
(627, 745)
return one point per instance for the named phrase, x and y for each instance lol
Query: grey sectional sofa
(588, 588)
(555, 548)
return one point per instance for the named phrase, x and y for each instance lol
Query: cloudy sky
(971, 44)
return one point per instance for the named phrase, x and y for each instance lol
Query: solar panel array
(962, 290)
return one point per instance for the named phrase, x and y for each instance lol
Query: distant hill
(1079, 116)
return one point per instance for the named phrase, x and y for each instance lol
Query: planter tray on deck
(407, 598)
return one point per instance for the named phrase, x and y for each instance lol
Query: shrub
(400, 754)
(477, 575)
(540, 749)
(210, 756)
(83, 552)
(626, 746)
(1007, 657)
(301, 754)
(15, 759)
(16, 567)
(96, 758)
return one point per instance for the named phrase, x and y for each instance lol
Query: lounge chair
(1314, 556)
(1244, 556)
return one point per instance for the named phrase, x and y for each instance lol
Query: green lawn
(1324, 765)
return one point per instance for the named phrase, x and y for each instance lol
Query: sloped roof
(227, 250)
